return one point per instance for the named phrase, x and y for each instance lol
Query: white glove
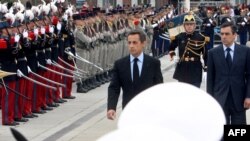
(42, 30)
(245, 19)
(51, 29)
(243, 23)
(65, 17)
(205, 76)
(17, 37)
(29, 70)
(208, 24)
(59, 26)
(25, 34)
(36, 31)
(19, 73)
(48, 61)
(210, 20)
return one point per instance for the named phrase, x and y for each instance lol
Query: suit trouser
(19, 101)
(243, 38)
(232, 115)
(8, 100)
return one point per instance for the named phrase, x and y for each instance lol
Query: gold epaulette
(207, 39)
(172, 38)
(64, 35)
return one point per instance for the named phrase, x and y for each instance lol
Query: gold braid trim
(207, 39)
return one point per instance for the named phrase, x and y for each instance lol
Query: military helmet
(189, 18)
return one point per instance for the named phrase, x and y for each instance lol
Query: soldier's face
(189, 27)
(227, 36)
(135, 46)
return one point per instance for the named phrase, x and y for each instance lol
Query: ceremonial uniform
(242, 23)
(8, 62)
(209, 24)
(190, 48)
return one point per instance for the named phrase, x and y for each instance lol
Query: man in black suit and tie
(133, 73)
(228, 75)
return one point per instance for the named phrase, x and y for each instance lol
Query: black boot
(80, 89)
(89, 84)
(106, 77)
(85, 86)
(98, 79)
(98, 84)
(102, 78)
(110, 74)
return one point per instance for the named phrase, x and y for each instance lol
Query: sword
(4, 74)
(71, 65)
(82, 59)
(51, 81)
(20, 74)
(68, 70)
(6, 87)
(41, 66)
(77, 71)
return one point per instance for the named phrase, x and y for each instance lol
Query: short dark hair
(229, 24)
(141, 33)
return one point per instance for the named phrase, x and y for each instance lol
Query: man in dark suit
(133, 73)
(228, 75)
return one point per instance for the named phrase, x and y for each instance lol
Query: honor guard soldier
(225, 15)
(242, 23)
(191, 45)
(208, 25)
(8, 52)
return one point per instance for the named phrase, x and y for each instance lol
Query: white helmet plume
(35, 10)
(3, 8)
(29, 14)
(18, 5)
(60, 1)
(10, 17)
(19, 16)
(52, 6)
(44, 8)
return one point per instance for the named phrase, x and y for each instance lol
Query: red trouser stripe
(66, 92)
(19, 100)
(8, 101)
(28, 94)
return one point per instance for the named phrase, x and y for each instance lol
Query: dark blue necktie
(135, 71)
(229, 57)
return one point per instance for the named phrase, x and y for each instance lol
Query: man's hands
(171, 55)
(247, 103)
(111, 114)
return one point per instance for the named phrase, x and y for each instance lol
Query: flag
(175, 25)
